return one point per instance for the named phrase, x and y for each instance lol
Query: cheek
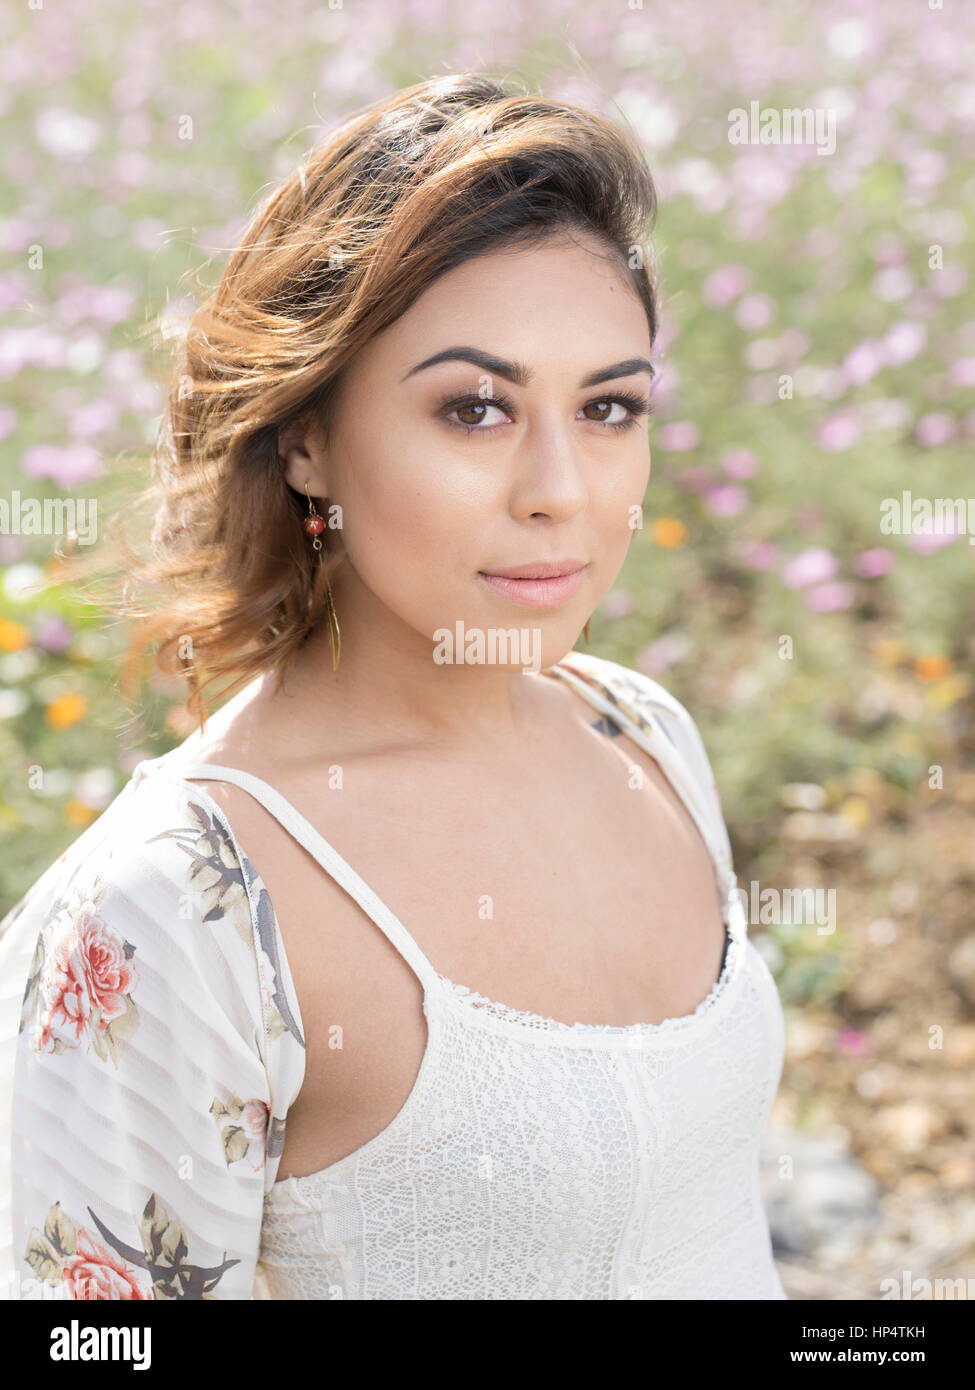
(616, 508)
(413, 523)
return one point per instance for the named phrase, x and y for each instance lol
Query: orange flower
(77, 813)
(668, 531)
(13, 636)
(932, 668)
(65, 711)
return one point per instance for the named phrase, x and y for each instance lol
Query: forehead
(569, 299)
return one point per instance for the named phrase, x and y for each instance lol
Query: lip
(538, 585)
(537, 569)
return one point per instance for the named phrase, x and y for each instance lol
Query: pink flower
(890, 250)
(950, 281)
(938, 532)
(664, 652)
(726, 499)
(852, 1041)
(793, 343)
(86, 978)
(893, 283)
(52, 634)
(934, 428)
(254, 1121)
(838, 431)
(76, 464)
(13, 289)
(864, 362)
(92, 419)
(754, 312)
(95, 1272)
(679, 436)
(759, 555)
(810, 566)
(102, 304)
(617, 604)
(963, 371)
(33, 345)
(266, 974)
(668, 330)
(870, 564)
(903, 341)
(663, 393)
(695, 479)
(12, 549)
(826, 598)
(724, 285)
(739, 463)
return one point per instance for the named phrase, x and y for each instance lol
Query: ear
(302, 460)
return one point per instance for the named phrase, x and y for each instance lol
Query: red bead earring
(314, 525)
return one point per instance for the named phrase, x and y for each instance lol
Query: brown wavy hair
(412, 186)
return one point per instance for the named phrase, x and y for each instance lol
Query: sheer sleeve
(650, 706)
(687, 738)
(141, 1099)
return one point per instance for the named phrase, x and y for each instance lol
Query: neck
(387, 679)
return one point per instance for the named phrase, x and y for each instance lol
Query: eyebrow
(519, 373)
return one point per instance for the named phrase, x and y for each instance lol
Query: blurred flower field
(816, 357)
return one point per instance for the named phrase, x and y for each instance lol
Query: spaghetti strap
(671, 763)
(324, 854)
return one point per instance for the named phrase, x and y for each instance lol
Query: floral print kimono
(149, 1044)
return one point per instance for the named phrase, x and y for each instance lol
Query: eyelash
(637, 406)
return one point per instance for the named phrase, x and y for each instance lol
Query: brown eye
(474, 408)
(627, 416)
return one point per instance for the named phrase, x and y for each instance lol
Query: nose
(549, 477)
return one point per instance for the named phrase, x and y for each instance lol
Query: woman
(407, 455)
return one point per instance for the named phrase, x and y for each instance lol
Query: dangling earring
(315, 525)
(585, 628)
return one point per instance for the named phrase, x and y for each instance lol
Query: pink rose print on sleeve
(81, 982)
(243, 1129)
(69, 1256)
(95, 1272)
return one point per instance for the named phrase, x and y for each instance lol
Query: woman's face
(436, 491)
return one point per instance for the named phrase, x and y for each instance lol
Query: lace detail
(543, 1023)
(618, 1168)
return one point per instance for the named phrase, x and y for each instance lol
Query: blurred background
(816, 357)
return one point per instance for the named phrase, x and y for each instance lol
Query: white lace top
(533, 1159)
